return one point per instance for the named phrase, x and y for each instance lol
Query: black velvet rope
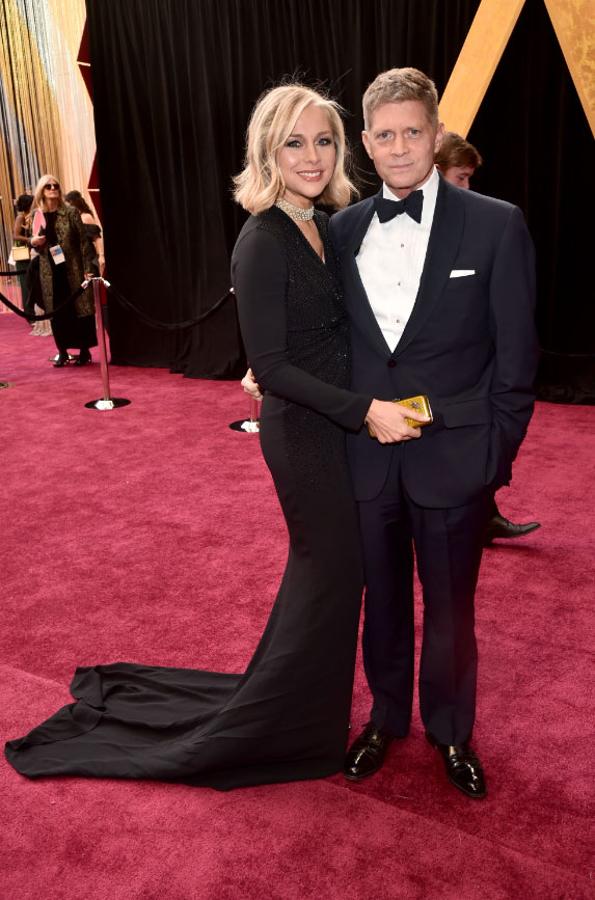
(168, 326)
(50, 315)
(123, 301)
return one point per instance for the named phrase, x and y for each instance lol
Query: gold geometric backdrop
(574, 24)
(46, 115)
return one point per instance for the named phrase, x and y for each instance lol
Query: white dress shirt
(391, 259)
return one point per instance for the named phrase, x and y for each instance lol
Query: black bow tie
(412, 205)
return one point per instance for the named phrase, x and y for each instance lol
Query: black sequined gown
(286, 717)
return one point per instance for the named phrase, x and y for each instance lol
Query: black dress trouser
(448, 546)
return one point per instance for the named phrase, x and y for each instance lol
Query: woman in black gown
(287, 716)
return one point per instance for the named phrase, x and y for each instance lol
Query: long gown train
(286, 717)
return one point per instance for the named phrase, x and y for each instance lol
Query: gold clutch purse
(420, 404)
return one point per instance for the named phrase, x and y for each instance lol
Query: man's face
(459, 175)
(402, 142)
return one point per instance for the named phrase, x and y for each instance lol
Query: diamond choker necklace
(295, 212)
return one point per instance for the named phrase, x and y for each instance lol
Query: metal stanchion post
(107, 401)
(250, 425)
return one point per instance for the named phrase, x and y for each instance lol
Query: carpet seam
(18, 670)
(538, 861)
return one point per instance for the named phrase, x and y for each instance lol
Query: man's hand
(387, 421)
(251, 386)
(38, 241)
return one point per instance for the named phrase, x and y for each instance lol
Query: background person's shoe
(60, 360)
(463, 768)
(366, 754)
(83, 359)
(499, 527)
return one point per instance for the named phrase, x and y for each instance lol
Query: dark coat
(470, 345)
(71, 235)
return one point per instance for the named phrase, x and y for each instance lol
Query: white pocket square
(460, 273)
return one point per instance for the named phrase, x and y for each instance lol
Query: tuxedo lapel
(356, 298)
(443, 245)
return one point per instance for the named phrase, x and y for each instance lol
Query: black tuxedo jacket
(469, 344)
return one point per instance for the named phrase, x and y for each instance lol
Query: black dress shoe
(499, 527)
(463, 768)
(60, 360)
(83, 359)
(366, 754)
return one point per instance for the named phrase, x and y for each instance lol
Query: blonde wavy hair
(260, 182)
(38, 201)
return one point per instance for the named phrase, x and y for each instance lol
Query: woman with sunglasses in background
(64, 257)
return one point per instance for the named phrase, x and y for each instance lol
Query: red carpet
(151, 533)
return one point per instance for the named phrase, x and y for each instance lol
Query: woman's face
(51, 190)
(307, 160)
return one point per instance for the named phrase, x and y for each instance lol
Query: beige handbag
(20, 253)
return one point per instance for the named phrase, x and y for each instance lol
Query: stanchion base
(248, 426)
(113, 403)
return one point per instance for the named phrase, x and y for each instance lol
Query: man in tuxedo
(439, 285)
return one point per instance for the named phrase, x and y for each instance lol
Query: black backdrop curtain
(174, 82)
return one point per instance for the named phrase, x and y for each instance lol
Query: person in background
(92, 228)
(28, 269)
(457, 161)
(65, 258)
(22, 238)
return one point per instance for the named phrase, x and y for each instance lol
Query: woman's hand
(38, 241)
(387, 422)
(251, 386)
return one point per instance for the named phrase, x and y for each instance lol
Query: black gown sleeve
(259, 275)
